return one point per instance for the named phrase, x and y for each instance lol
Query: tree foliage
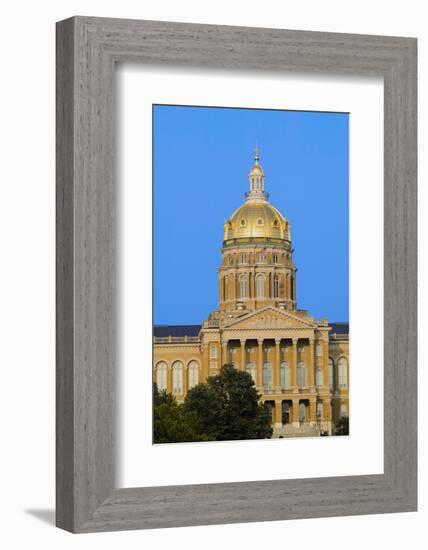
(342, 426)
(172, 423)
(228, 407)
(224, 408)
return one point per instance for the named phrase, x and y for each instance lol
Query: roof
(339, 328)
(176, 330)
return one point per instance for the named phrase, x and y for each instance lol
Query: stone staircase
(305, 430)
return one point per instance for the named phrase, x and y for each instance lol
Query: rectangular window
(213, 352)
(285, 377)
(318, 350)
(177, 381)
(267, 377)
(301, 376)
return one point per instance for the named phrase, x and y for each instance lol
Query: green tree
(171, 423)
(342, 426)
(228, 407)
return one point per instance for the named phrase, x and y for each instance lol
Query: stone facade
(299, 364)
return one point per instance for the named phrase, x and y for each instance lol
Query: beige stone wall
(339, 350)
(249, 262)
(178, 355)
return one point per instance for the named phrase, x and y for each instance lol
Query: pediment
(271, 317)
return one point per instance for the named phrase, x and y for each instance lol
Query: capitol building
(299, 364)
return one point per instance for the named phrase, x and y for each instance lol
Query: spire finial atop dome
(257, 180)
(256, 154)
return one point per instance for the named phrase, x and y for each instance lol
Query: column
(326, 409)
(243, 362)
(259, 373)
(169, 379)
(326, 415)
(311, 363)
(205, 362)
(276, 366)
(294, 364)
(312, 410)
(224, 354)
(295, 413)
(185, 379)
(324, 348)
(293, 282)
(278, 414)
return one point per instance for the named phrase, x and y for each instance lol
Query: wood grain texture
(87, 50)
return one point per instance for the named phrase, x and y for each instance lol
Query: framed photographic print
(236, 274)
(258, 345)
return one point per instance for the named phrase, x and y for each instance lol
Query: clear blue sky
(201, 161)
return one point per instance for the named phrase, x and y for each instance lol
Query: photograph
(250, 274)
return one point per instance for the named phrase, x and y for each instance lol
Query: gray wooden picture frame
(87, 51)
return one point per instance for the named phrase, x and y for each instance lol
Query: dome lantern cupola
(257, 180)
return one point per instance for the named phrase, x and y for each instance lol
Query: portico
(287, 357)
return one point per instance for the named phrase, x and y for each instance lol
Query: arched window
(161, 376)
(267, 377)
(302, 412)
(343, 410)
(276, 286)
(224, 288)
(213, 351)
(285, 373)
(319, 378)
(301, 375)
(193, 374)
(342, 366)
(331, 372)
(260, 286)
(251, 369)
(243, 286)
(177, 378)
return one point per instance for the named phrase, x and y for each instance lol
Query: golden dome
(256, 219)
